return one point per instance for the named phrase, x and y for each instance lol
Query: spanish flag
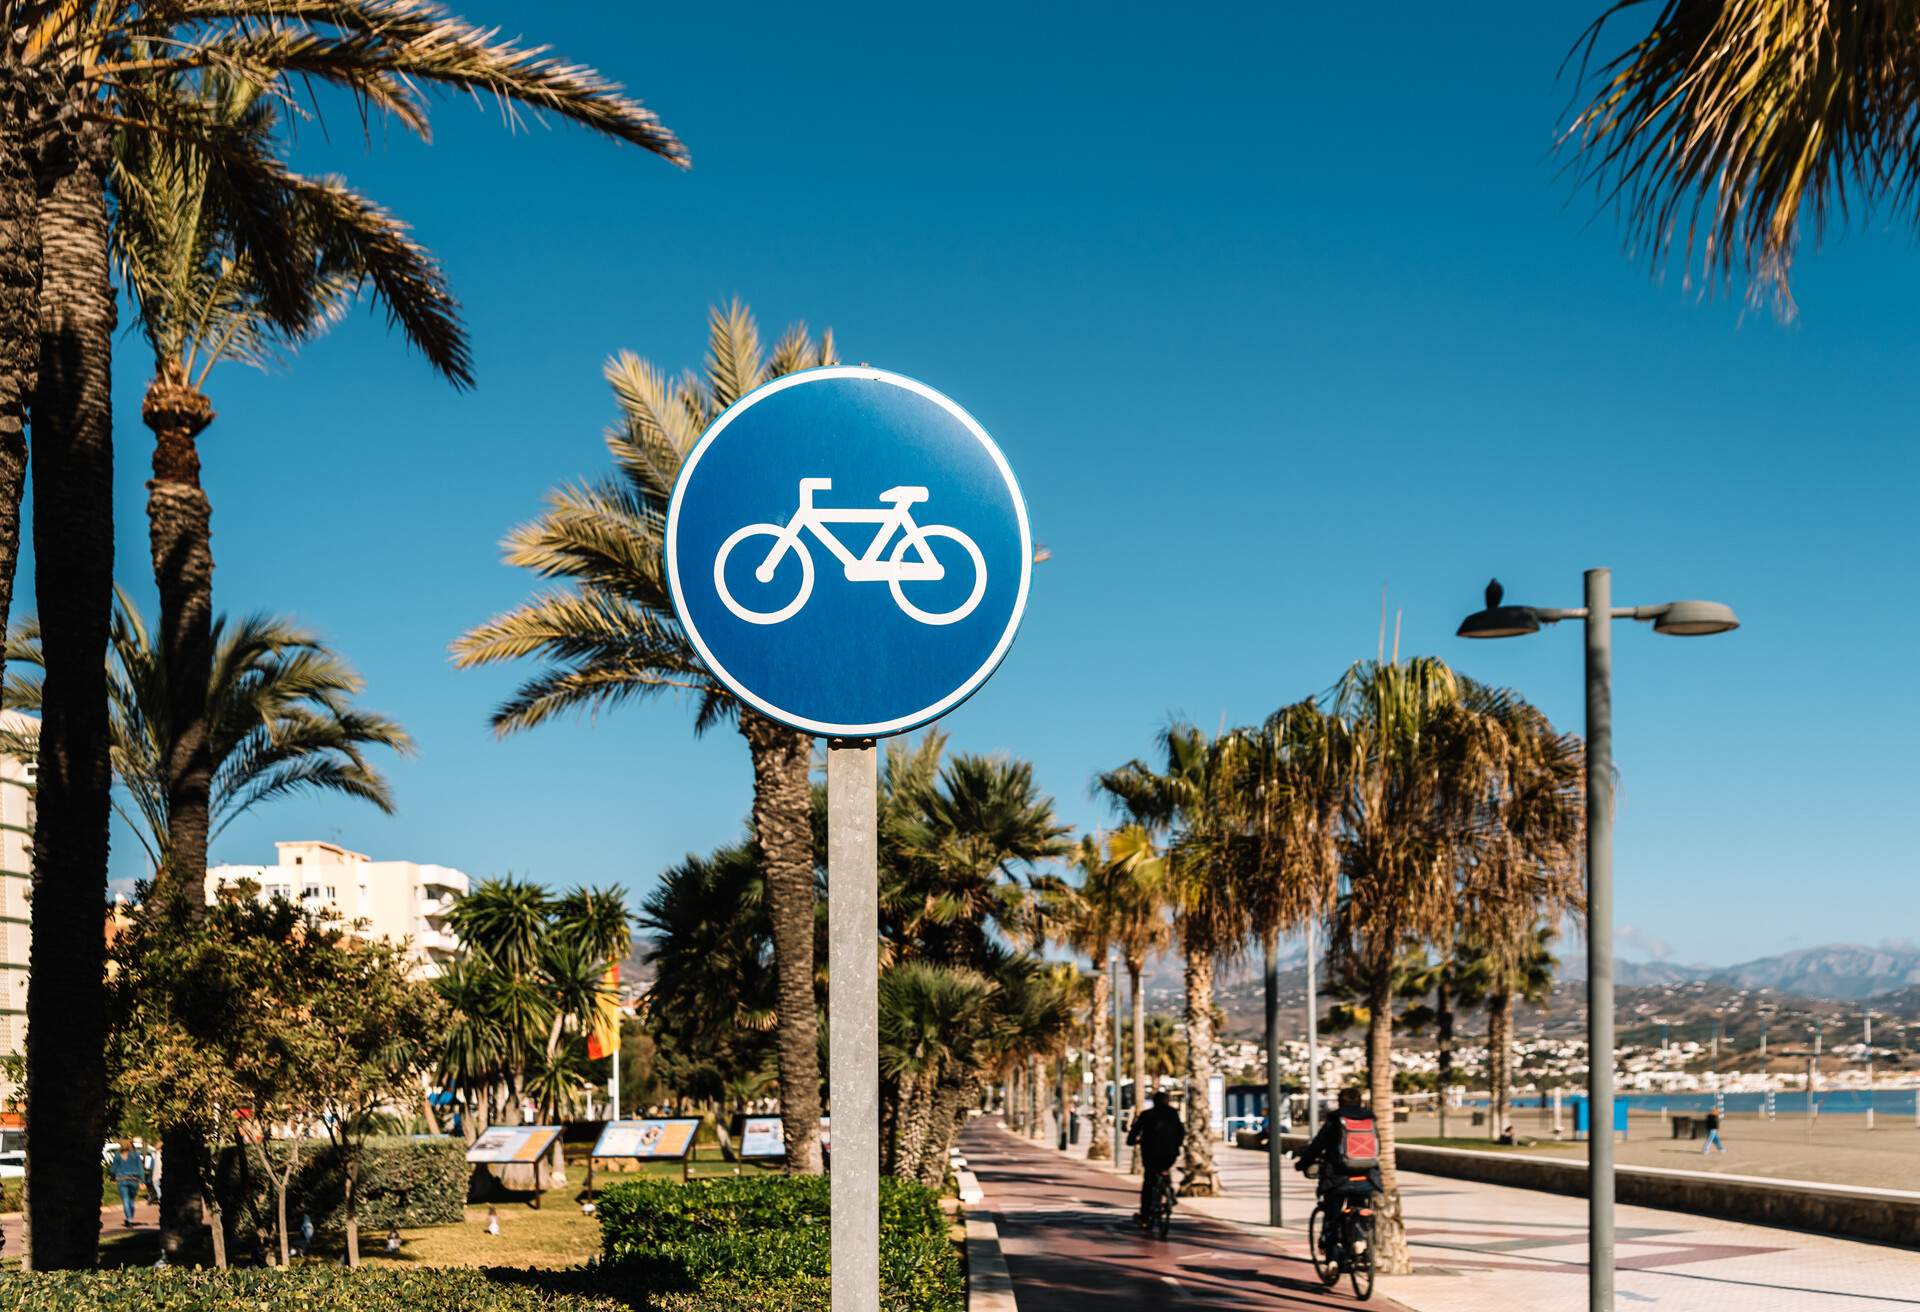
(604, 1041)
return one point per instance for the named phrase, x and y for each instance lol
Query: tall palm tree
(1522, 973)
(1196, 797)
(1419, 766)
(1728, 120)
(280, 713)
(73, 71)
(202, 301)
(1089, 931)
(1140, 929)
(611, 635)
(1526, 865)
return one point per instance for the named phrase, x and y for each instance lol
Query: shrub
(403, 1181)
(711, 1238)
(308, 1288)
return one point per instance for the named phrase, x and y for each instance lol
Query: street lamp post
(1275, 1166)
(1113, 975)
(1680, 619)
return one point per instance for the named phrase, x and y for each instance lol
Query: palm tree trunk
(1135, 966)
(1098, 1146)
(73, 579)
(1443, 1036)
(1500, 1058)
(180, 532)
(1390, 1231)
(1198, 1179)
(783, 832)
(1033, 1097)
(950, 1097)
(19, 345)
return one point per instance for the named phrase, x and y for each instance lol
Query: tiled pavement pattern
(1479, 1247)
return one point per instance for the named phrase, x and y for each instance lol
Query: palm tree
(932, 1019)
(201, 301)
(956, 839)
(1140, 929)
(280, 714)
(1525, 867)
(1730, 120)
(503, 924)
(80, 69)
(611, 635)
(1419, 767)
(711, 1008)
(1197, 796)
(1089, 931)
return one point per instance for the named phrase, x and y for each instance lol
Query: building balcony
(436, 943)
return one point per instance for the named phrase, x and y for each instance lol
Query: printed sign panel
(762, 1136)
(663, 1140)
(513, 1143)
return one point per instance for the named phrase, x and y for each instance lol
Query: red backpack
(1359, 1143)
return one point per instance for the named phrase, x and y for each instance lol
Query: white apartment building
(397, 899)
(16, 905)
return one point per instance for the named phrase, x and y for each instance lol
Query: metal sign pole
(853, 1050)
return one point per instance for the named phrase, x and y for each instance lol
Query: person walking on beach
(1713, 1134)
(129, 1171)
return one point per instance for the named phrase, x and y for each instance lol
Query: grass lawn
(554, 1234)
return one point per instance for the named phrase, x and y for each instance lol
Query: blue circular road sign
(848, 551)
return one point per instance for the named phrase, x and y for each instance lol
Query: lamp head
(1498, 621)
(1692, 619)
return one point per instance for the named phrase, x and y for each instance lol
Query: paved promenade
(1478, 1246)
(1069, 1242)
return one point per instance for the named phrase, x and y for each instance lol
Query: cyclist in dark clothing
(1326, 1148)
(1341, 1189)
(1159, 1132)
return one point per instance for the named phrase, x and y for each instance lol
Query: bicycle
(896, 526)
(1158, 1216)
(1340, 1241)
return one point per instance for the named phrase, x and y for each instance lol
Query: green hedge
(406, 1181)
(445, 1289)
(307, 1288)
(740, 1235)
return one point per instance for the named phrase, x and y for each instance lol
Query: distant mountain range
(1841, 972)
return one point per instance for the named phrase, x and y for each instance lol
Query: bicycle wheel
(978, 562)
(1323, 1264)
(779, 612)
(1360, 1264)
(1163, 1207)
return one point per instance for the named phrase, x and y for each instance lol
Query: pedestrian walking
(129, 1172)
(153, 1172)
(1713, 1134)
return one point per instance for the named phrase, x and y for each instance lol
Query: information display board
(760, 1137)
(513, 1143)
(654, 1140)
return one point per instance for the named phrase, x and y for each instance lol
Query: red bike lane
(1067, 1232)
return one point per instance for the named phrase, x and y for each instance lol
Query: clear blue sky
(1266, 309)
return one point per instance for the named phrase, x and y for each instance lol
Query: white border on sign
(973, 681)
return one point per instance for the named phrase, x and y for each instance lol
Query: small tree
(376, 1031)
(204, 1028)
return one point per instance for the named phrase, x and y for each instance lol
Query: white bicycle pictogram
(896, 518)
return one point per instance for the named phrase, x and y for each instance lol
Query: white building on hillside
(397, 899)
(16, 903)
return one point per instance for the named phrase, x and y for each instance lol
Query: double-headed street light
(1682, 619)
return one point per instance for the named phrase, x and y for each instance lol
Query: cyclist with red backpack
(1347, 1150)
